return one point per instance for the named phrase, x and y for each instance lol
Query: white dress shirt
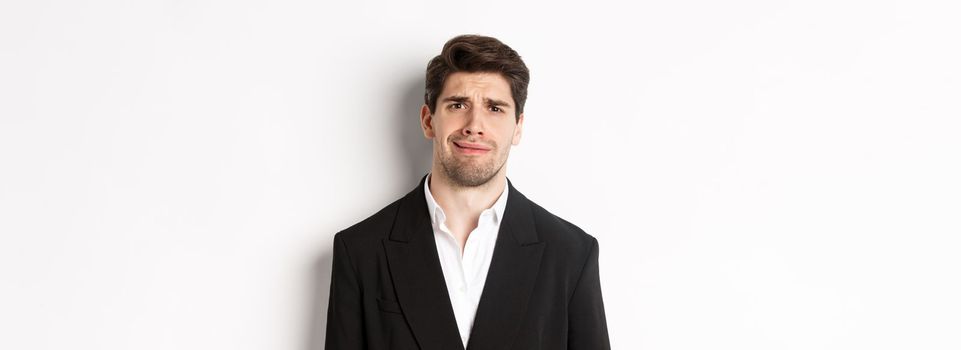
(465, 275)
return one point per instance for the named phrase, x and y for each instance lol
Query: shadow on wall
(415, 150)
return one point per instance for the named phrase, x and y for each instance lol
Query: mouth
(468, 148)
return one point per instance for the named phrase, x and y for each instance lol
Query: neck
(465, 201)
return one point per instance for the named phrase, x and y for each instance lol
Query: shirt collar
(437, 213)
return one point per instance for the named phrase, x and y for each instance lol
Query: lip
(471, 148)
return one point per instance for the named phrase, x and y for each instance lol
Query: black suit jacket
(387, 289)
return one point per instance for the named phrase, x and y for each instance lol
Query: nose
(473, 126)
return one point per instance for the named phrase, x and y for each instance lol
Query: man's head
(474, 107)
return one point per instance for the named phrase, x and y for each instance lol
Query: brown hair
(476, 53)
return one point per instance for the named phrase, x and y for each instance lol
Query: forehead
(477, 84)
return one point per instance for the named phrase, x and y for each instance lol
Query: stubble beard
(470, 173)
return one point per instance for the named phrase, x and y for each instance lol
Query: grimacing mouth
(482, 145)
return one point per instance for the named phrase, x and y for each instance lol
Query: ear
(518, 130)
(426, 122)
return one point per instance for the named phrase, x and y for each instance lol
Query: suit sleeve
(587, 324)
(344, 309)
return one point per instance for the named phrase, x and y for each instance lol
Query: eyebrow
(462, 99)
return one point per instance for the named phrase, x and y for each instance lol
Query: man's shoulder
(375, 226)
(557, 230)
(568, 246)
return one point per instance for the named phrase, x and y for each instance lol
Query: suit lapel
(422, 291)
(510, 279)
(417, 275)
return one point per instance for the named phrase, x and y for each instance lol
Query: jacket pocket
(388, 306)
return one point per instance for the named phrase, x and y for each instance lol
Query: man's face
(473, 127)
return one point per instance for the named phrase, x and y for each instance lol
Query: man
(465, 260)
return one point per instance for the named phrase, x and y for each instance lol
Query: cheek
(444, 132)
(443, 141)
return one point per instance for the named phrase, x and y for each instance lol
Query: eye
(495, 109)
(457, 105)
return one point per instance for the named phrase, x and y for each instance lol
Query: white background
(760, 175)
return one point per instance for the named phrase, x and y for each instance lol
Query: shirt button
(462, 289)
